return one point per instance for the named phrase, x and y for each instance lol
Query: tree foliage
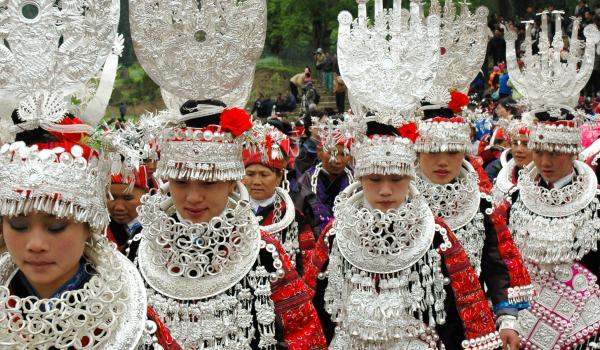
(313, 23)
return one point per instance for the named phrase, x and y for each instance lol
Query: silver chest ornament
(457, 204)
(553, 230)
(382, 272)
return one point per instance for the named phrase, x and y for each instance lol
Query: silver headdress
(444, 135)
(389, 66)
(200, 51)
(463, 41)
(384, 155)
(178, 44)
(463, 47)
(51, 53)
(207, 154)
(551, 80)
(63, 182)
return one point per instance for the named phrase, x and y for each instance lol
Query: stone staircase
(327, 99)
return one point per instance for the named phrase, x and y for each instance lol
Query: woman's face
(199, 201)
(441, 168)
(123, 204)
(261, 181)
(334, 166)
(45, 248)
(521, 154)
(553, 166)
(385, 192)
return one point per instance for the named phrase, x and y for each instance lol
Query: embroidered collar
(563, 181)
(131, 225)
(74, 283)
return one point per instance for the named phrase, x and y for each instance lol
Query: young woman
(388, 272)
(213, 276)
(513, 160)
(553, 210)
(62, 284)
(458, 191)
(265, 175)
(553, 214)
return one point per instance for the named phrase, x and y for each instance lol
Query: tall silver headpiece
(199, 49)
(50, 52)
(463, 41)
(551, 80)
(388, 66)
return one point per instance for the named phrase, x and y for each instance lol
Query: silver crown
(384, 155)
(388, 66)
(200, 154)
(199, 49)
(463, 46)
(552, 78)
(57, 181)
(443, 136)
(51, 53)
(564, 137)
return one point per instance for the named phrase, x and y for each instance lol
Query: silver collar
(195, 261)
(383, 242)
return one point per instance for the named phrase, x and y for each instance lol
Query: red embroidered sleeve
(520, 289)
(485, 185)
(471, 302)
(293, 306)
(316, 259)
(162, 333)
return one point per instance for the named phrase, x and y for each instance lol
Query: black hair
(442, 112)
(509, 104)
(191, 106)
(31, 137)
(375, 128)
(546, 117)
(281, 125)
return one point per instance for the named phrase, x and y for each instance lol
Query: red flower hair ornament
(236, 121)
(457, 101)
(409, 131)
(69, 137)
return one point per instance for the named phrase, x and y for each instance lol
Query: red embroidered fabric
(293, 306)
(306, 238)
(485, 185)
(471, 302)
(509, 251)
(589, 160)
(162, 333)
(317, 259)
